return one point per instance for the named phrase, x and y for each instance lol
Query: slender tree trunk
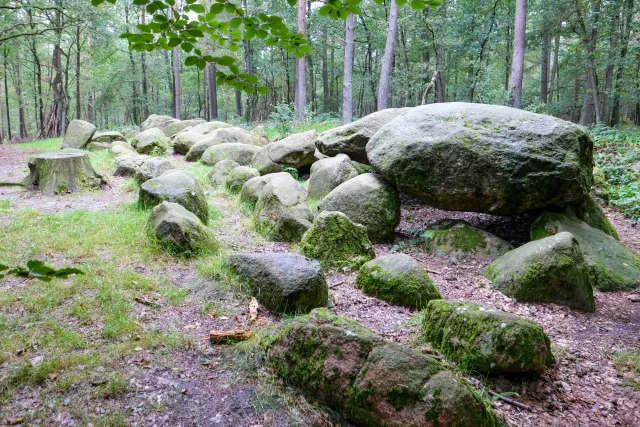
(554, 69)
(508, 57)
(78, 112)
(624, 46)
(213, 92)
(590, 38)
(517, 68)
(387, 61)
(143, 64)
(544, 72)
(176, 77)
(301, 82)
(238, 103)
(349, 52)
(441, 85)
(2, 130)
(252, 99)
(325, 73)
(6, 92)
(18, 86)
(611, 60)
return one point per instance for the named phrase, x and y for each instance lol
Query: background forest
(581, 63)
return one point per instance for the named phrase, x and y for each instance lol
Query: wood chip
(224, 337)
(253, 309)
(14, 421)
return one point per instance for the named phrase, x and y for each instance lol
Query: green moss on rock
(589, 211)
(459, 238)
(336, 241)
(486, 340)
(399, 279)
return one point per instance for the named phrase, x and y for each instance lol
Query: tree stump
(59, 173)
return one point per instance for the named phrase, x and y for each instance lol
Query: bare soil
(205, 385)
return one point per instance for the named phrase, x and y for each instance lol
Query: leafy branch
(37, 270)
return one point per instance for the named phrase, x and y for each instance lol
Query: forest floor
(126, 343)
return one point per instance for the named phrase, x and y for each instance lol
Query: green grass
(628, 362)
(617, 149)
(52, 144)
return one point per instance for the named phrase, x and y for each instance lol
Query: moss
(460, 238)
(436, 407)
(588, 211)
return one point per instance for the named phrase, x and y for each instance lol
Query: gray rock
(294, 151)
(156, 121)
(208, 127)
(151, 168)
(177, 186)
(78, 134)
(352, 138)
(120, 148)
(612, 266)
(328, 173)
(399, 279)
(252, 189)
(173, 128)
(239, 176)
(150, 140)
(179, 231)
(128, 165)
(108, 137)
(486, 340)
(552, 269)
(484, 158)
(459, 238)
(281, 213)
(283, 282)
(230, 135)
(368, 200)
(218, 173)
(183, 141)
(239, 153)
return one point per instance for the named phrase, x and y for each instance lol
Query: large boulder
(121, 148)
(328, 173)
(157, 121)
(78, 134)
(283, 282)
(108, 137)
(150, 141)
(238, 177)
(546, 270)
(459, 238)
(294, 151)
(352, 138)
(612, 266)
(179, 125)
(486, 340)
(179, 231)
(370, 381)
(484, 158)
(219, 172)
(177, 186)
(183, 141)
(368, 200)
(252, 189)
(208, 127)
(222, 135)
(239, 153)
(128, 165)
(152, 168)
(399, 279)
(589, 211)
(336, 241)
(281, 213)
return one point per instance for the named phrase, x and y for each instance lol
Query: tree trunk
(544, 72)
(349, 52)
(611, 60)
(18, 85)
(325, 73)
(517, 67)
(624, 47)
(238, 103)
(590, 36)
(176, 77)
(508, 57)
(2, 134)
(441, 85)
(143, 64)
(6, 93)
(252, 99)
(90, 95)
(78, 115)
(301, 83)
(213, 92)
(554, 69)
(60, 173)
(387, 61)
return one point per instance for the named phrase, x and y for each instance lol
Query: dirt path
(203, 385)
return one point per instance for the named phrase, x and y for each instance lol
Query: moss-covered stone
(486, 340)
(399, 279)
(552, 269)
(179, 231)
(328, 173)
(370, 381)
(369, 200)
(456, 237)
(589, 211)
(152, 140)
(177, 186)
(599, 190)
(612, 266)
(219, 172)
(238, 177)
(239, 153)
(336, 241)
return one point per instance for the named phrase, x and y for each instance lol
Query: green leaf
(191, 60)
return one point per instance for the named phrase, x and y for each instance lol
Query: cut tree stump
(58, 173)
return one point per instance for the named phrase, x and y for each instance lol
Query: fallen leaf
(253, 309)
(15, 421)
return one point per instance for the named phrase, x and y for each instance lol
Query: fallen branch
(225, 337)
(475, 383)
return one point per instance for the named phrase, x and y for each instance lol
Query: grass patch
(4, 204)
(51, 144)
(628, 362)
